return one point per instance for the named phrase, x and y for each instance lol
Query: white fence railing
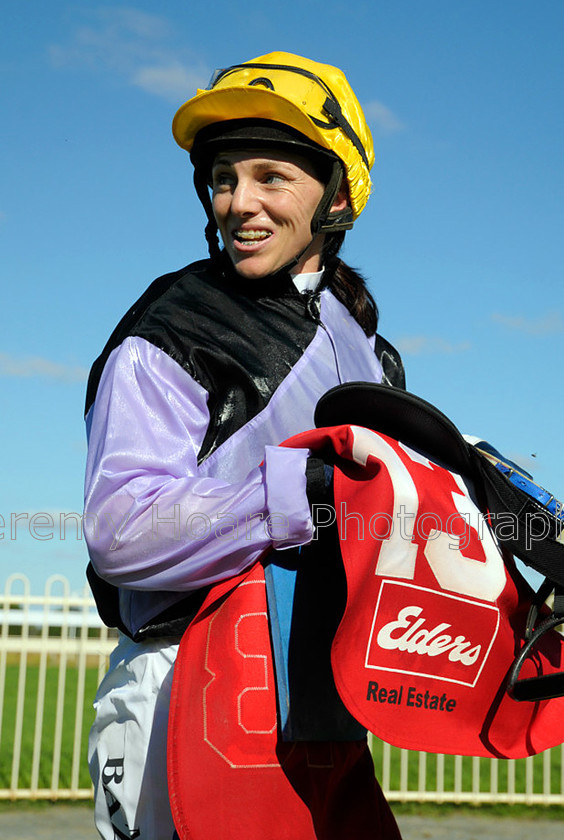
(53, 653)
(408, 776)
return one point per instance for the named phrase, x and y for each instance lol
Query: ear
(342, 198)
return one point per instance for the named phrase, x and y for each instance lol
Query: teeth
(252, 235)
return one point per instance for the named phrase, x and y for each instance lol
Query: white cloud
(419, 345)
(25, 368)
(170, 81)
(136, 46)
(548, 324)
(381, 118)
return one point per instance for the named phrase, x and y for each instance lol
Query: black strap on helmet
(324, 220)
(331, 105)
(202, 190)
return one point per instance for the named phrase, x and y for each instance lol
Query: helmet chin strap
(295, 260)
(323, 220)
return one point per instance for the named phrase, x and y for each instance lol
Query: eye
(274, 178)
(222, 178)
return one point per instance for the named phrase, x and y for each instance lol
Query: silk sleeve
(153, 520)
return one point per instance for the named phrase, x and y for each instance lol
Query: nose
(244, 198)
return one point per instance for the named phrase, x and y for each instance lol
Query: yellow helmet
(313, 99)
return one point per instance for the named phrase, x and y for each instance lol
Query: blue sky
(461, 240)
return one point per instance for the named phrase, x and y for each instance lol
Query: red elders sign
(435, 614)
(414, 639)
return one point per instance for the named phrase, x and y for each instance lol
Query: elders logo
(426, 633)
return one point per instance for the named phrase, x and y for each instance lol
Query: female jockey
(209, 371)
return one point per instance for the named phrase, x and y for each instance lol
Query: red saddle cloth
(229, 775)
(435, 612)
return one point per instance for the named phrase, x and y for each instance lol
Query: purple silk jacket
(201, 380)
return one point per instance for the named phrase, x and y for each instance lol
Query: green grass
(47, 753)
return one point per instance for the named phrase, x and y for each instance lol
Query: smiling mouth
(251, 236)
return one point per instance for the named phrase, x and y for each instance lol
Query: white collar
(307, 282)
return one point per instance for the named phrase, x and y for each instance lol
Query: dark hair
(348, 286)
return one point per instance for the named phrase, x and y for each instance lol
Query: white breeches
(127, 745)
